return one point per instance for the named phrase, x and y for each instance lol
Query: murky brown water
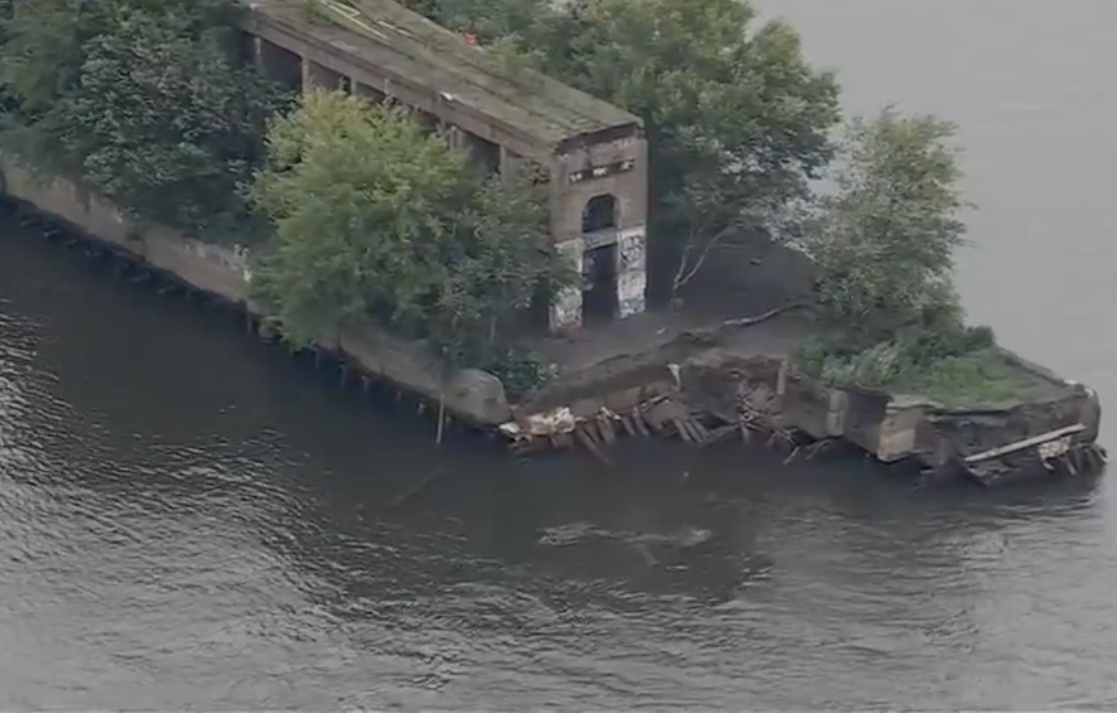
(189, 519)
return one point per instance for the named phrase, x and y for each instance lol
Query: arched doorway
(600, 213)
(599, 264)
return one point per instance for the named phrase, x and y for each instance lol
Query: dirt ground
(737, 285)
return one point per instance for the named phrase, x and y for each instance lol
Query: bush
(141, 102)
(374, 217)
(520, 372)
(884, 240)
(954, 367)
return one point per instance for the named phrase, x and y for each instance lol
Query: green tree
(165, 123)
(884, 240)
(737, 121)
(41, 55)
(503, 263)
(140, 100)
(375, 217)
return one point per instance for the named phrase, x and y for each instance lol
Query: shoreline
(701, 384)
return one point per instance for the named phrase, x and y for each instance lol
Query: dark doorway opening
(484, 153)
(600, 213)
(599, 293)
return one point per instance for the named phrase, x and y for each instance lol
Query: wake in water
(690, 560)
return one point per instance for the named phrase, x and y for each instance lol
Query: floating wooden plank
(582, 435)
(688, 424)
(1094, 457)
(1024, 444)
(791, 457)
(416, 488)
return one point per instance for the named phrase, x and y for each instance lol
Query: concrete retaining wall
(472, 395)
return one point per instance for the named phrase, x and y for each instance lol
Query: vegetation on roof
(497, 83)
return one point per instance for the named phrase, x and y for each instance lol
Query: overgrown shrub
(846, 361)
(374, 217)
(520, 371)
(884, 240)
(884, 243)
(141, 101)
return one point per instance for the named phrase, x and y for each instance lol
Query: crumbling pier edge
(716, 395)
(691, 389)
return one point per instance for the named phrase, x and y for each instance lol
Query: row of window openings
(600, 212)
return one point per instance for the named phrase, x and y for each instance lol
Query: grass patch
(980, 377)
(965, 370)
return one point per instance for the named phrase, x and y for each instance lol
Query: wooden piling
(605, 426)
(441, 418)
(638, 422)
(590, 445)
(681, 428)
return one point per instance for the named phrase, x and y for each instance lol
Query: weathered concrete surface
(889, 427)
(225, 273)
(638, 351)
(944, 437)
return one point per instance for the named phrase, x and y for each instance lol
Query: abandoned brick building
(594, 153)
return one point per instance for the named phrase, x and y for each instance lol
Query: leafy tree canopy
(737, 121)
(374, 216)
(885, 239)
(141, 101)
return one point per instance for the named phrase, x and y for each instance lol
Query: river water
(188, 519)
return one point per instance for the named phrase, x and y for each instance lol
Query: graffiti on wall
(235, 258)
(566, 309)
(631, 271)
